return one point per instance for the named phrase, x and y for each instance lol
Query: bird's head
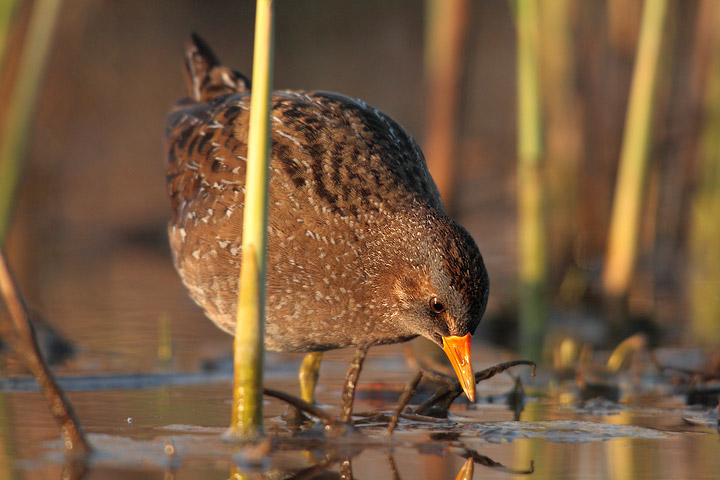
(442, 297)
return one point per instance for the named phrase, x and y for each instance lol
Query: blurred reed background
(531, 113)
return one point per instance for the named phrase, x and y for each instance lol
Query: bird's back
(341, 172)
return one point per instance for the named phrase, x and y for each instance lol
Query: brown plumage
(360, 250)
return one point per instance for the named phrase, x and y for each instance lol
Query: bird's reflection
(335, 466)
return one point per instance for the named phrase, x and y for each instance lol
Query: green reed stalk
(22, 103)
(7, 11)
(531, 216)
(246, 420)
(634, 155)
(705, 220)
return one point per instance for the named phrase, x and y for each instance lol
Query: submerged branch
(26, 344)
(301, 405)
(407, 394)
(439, 403)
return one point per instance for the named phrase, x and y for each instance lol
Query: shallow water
(133, 429)
(112, 303)
(135, 407)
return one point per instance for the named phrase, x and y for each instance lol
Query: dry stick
(423, 418)
(444, 396)
(302, 405)
(393, 467)
(27, 346)
(407, 394)
(351, 378)
(435, 376)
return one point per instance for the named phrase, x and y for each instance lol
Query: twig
(301, 404)
(407, 394)
(444, 396)
(421, 418)
(435, 376)
(351, 378)
(392, 465)
(60, 407)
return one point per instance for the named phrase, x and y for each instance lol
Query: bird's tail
(207, 78)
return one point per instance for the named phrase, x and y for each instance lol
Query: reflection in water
(75, 469)
(134, 428)
(177, 430)
(527, 450)
(440, 466)
(467, 471)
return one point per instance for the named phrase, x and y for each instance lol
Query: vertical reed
(704, 235)
(634, 156)
(36, 48)
(531, 228)
(7, 12)
(246, 420)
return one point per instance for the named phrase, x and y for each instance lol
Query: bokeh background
(88, 239)
(85, 86)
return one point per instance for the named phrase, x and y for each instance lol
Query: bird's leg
(351, 378)
(308, 375)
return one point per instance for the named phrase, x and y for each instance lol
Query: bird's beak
(458, 351)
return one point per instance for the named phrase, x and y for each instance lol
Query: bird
(360, 250)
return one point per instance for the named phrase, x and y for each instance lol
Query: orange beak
(458, 351)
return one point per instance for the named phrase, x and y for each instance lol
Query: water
(173, 430)
(136, 408)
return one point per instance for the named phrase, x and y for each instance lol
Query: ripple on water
(562, 431)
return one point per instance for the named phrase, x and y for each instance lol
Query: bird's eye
(436, 305)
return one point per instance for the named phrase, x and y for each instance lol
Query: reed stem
(22, 102)
(625, 220)
(704, 236)
(246, 420)
(7, 12)
(531, 215)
